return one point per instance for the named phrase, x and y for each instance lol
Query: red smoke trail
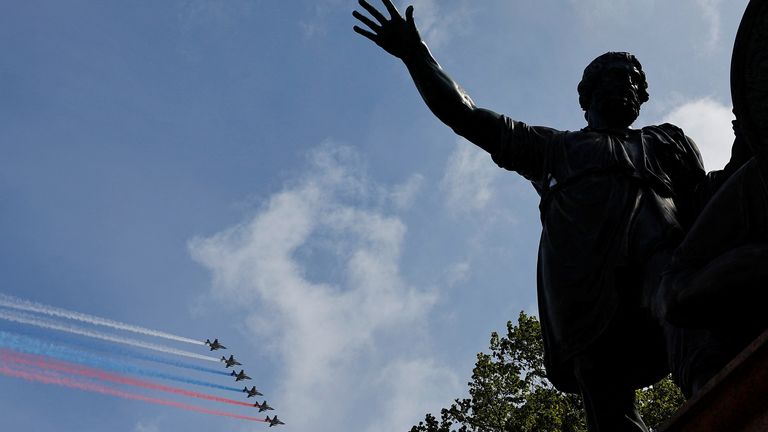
(42, 363)
(86, 386)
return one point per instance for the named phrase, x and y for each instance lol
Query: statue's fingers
(393, 12)
(366, 33)
(365, 20)
(372, 10)
(409, 15)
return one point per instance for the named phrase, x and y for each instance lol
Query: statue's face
(616, 98)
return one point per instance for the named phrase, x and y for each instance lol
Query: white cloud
(203, 21)
(710, 12)
(468, 179)
(599, 10)
(416, 387)
(437, 24)
(597, 14)
(708, 123)
(402, 195)
(316, 24)
(328, 332)
(457, 273)
(141, 427)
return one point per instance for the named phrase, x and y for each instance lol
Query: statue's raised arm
(399, 37)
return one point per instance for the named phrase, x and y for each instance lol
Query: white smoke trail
(25, 305)
(23, 318)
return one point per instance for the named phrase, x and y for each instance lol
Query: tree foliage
(509, 391)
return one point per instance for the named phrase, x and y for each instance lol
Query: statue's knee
(667, 307)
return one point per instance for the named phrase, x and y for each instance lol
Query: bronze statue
(714, 290)
(615, 203)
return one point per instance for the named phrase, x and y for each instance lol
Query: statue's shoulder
(669, 135)
(666, 130)
(670, 140)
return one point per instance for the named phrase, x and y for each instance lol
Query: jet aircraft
(230, 361)
(274, 421)
(215, 344)
(252, 392)
(240, 376)
(263, 406)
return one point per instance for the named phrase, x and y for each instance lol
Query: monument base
(734, 400)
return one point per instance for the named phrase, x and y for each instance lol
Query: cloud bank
(468, 179)
(710, 12)
(344, 331)
(708, 123)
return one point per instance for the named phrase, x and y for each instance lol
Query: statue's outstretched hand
(397, 36)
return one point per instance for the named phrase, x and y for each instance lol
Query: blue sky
(255, 171)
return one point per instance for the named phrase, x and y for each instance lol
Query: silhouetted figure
(714, 291)
(715, 287)
(615, 202)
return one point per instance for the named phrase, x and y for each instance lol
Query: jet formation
(214, 345)
(252, 392)
(231, 362)
(240, 376)
(274, 421)
(263, 406)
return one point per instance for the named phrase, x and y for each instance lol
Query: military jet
(215, 344)
(230, 361)
(240, 376)
(252, 392)
(263, 406)
(274, 421)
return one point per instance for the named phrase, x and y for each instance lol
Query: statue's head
(612, 89)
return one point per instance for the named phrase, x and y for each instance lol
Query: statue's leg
(714, 290)
(692, 355)
(730, 291)
(718, 271)
(698, 355)
(613, 366)
(609, 402)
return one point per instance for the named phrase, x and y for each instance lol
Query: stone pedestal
(735, 400)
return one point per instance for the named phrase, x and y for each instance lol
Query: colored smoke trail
(96, 388)
(23, 318)
(41, 363)
(28, 306)
(102, 346)
(168, 362)
(35, 346)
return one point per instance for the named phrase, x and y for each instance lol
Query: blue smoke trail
(25, 318)
(165, 361)
(169, 362)
(103, 347)
(35, 346)
(128, 352)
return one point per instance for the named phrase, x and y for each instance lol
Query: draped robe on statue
(610, 201)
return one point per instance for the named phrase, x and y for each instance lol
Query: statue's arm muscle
(451, 103)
